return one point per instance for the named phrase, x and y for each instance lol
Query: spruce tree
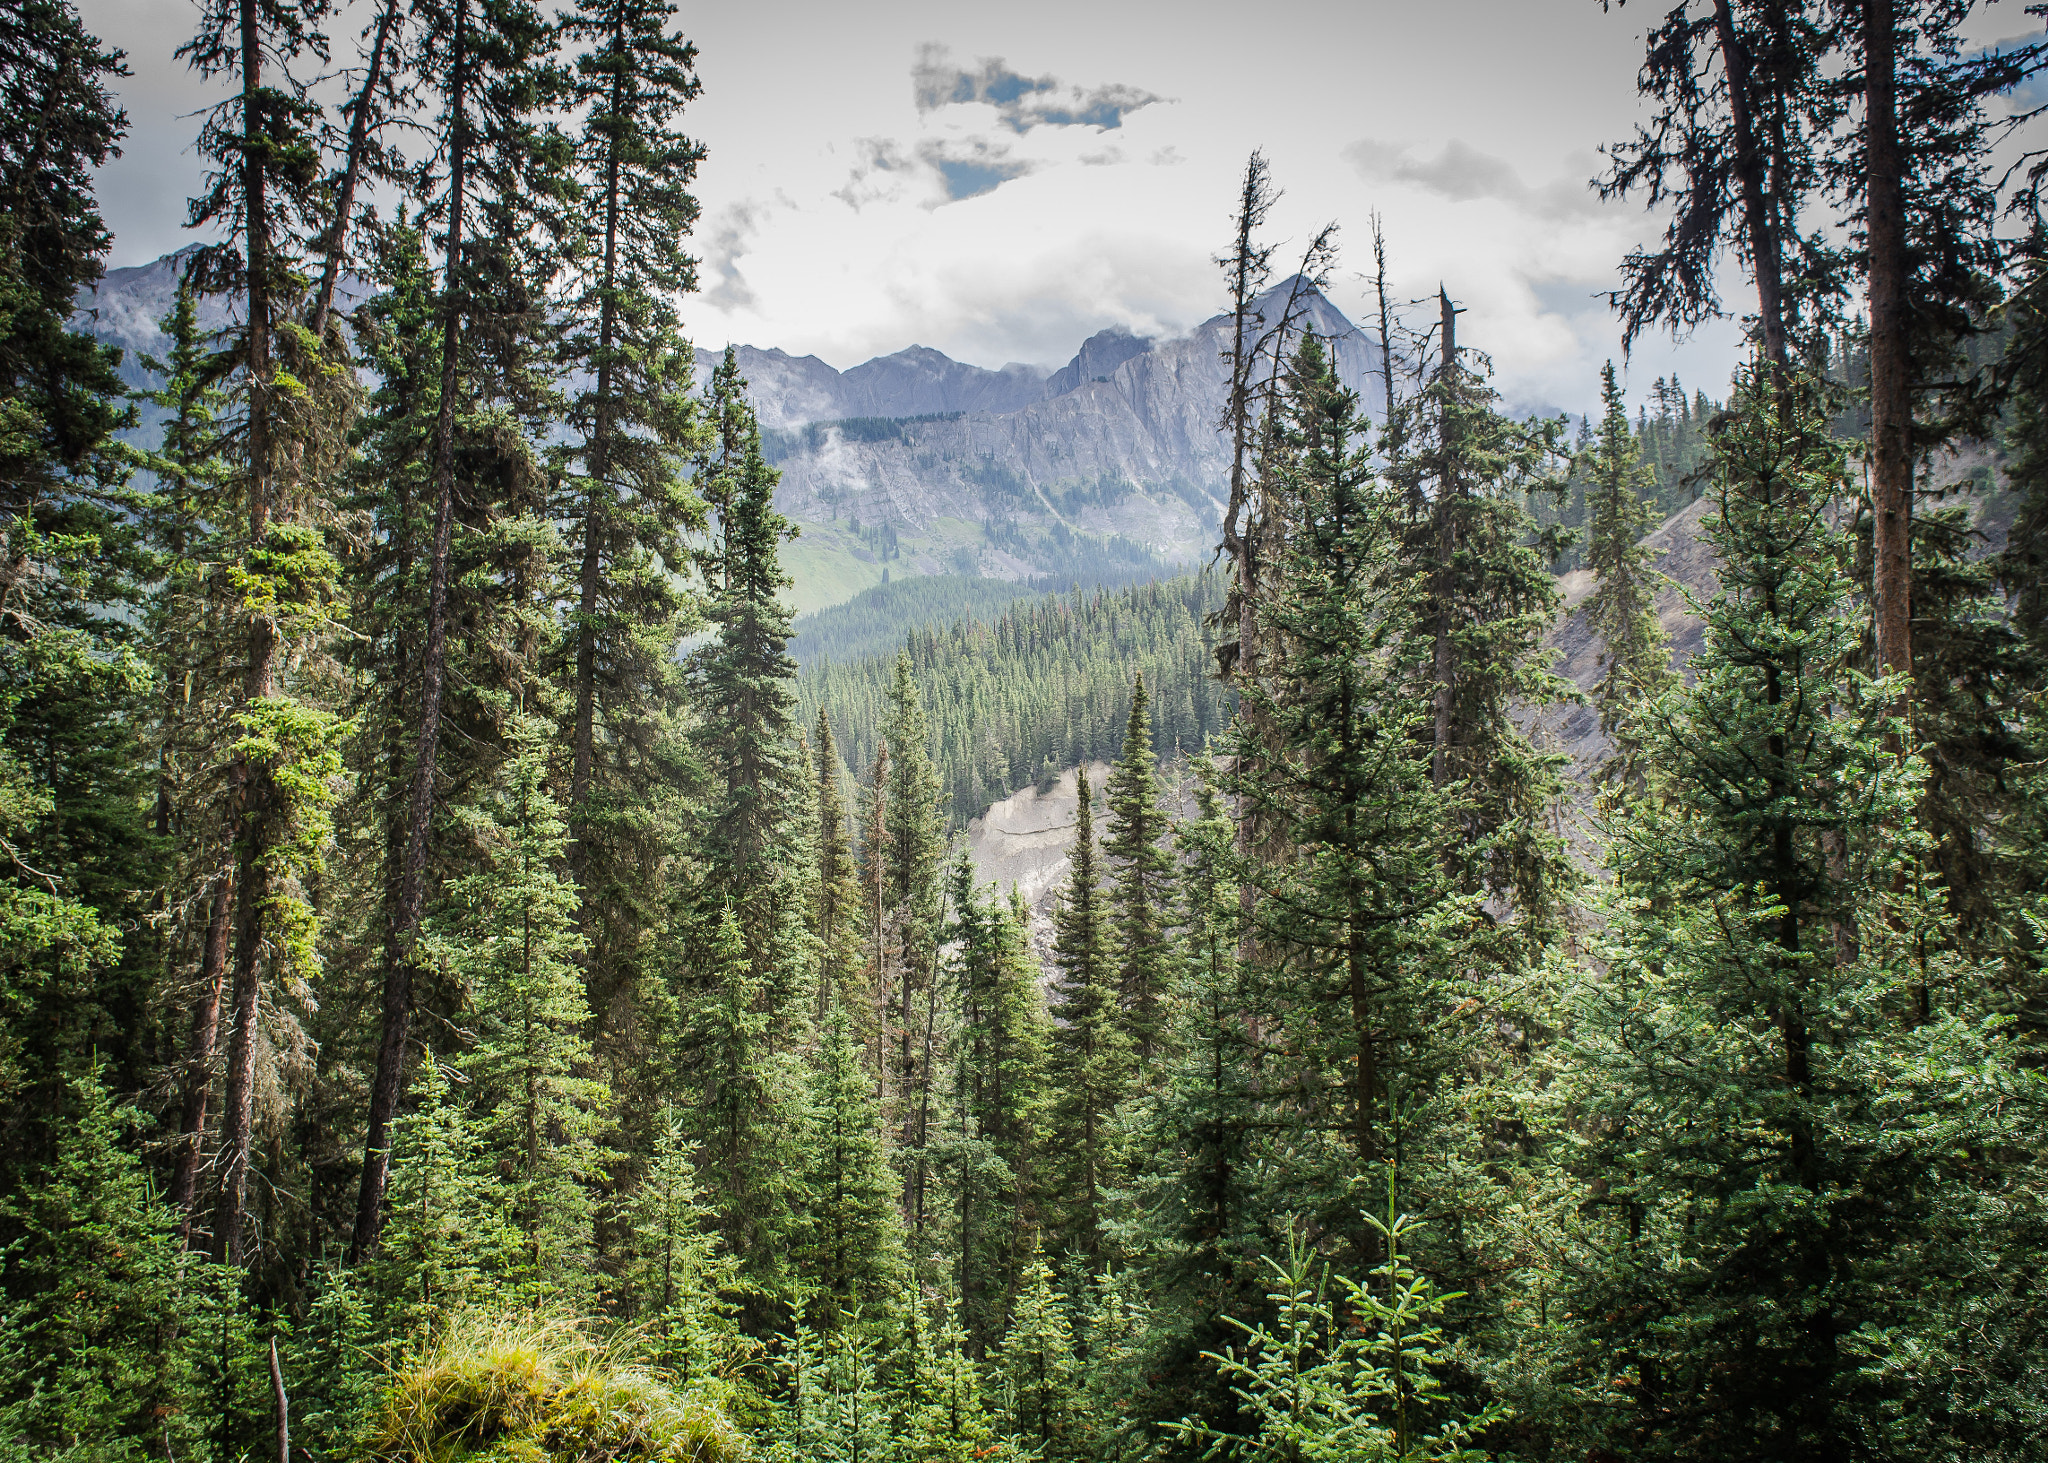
(1776, 1080)
(1001, 1097)
(850, 1260)
(1091, 1055)
(93, 1298)
(73, 787)
(1036, 1369)
(1141, 881)
(746, 732)
(507, 933)
(676, 1278)
(837, 924)
(285, 754)
(496, 184)
(621, 489)
(1621, 610)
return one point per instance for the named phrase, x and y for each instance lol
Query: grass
(539, 1389)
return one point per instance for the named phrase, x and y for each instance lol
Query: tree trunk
(1749, 168)
(352, 170)
(250, 782)
(201, 1041)
(1446, 546)
(1891, 389)
(388, 1085)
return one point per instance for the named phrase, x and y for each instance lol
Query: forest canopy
(465, 991)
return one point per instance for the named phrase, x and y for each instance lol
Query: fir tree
(1036, 1368)
(1621, 611)
(481, 398)
(851, 1258)
(508, 935)
(621, 489)
(1091, 1056)
(836, 924)
(1770, 1171)
(676, 1277)
(1141, 889)
(92, 1323)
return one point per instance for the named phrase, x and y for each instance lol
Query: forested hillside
(1044, 686)
(466, 994)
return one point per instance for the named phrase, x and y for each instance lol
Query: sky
(1001, 181)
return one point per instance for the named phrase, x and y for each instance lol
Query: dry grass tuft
(539, 1389)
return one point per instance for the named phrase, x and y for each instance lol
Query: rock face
(1121, 441)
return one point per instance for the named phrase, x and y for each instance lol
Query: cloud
(972, 166)
(1462, 173)
(1021, 102)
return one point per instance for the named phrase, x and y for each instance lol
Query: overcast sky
(1000, 181)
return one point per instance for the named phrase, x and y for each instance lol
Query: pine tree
(676, 1278)
(481, 399)
(1621, 611)
(850, 1259)
(836, 923)
(621, 490)
(1036, 1367)
(92, 1320)
(1091, 1057)
(1141, 881)
(508, 935)
(1775, 1077)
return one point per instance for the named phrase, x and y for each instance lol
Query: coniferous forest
(462, 994)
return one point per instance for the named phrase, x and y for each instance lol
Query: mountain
(914, 464)
(1113, 466)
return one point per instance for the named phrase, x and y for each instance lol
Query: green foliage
(1092, 1059)
(850, 1259)
(1141, 875)
(93, 1303)
(1044, 687)
(540, 1387)
(1347, 1369)
(1621, 610)
(873, 622)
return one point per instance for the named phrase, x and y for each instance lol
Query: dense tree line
(462, 991)
(1043, 685)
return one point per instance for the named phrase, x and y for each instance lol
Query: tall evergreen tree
(1091, 1055)
(1141, 881)
(621, 489)
(851, 1257)
(1003, 1040)
(836, 923)
(1621, 610)
(1776, 1118)
(71, 786)
(507, 933)
(92, 1296)
(262, 190)
(493, 182)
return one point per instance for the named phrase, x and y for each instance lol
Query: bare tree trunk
(388, 1085)
(1891, 388)
(281, 1406)
(336, 244)
(250, 782)
(1447, 492)
(201, 1041)
(1749, 168)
